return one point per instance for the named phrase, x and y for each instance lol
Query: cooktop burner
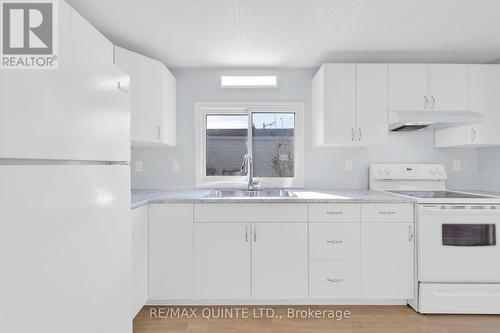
(441, 195)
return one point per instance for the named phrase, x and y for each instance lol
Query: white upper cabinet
(408, 87)
(371, 104)
(153, 99)
(334, 105)
(349, 104)
(423, 87)
(448, 87)
(74, 112)
(483, 97)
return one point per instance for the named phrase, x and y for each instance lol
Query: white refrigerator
(65, 197)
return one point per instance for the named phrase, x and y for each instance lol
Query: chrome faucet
(247, 166)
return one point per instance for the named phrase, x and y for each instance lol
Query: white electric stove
(458, 255)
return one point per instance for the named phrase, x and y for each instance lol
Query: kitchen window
(271, 132)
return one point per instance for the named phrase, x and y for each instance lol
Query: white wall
(324, 167)
(489, 169)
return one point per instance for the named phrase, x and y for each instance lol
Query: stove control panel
(422, 172)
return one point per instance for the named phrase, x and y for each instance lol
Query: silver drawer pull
(387, 212)
(335, 280)
(335, 212)
(335, 241)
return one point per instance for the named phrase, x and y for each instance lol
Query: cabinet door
(170, 251)
(169, 126)
(371, 103)
(140, 260)
(448, 87)
(408, 87)
(334, 105)
(387, 252)
(222, 261)
(279, 261)
(146, 86)
(485, 99)
(450, 137)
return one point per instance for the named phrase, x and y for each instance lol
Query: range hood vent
(409, 121)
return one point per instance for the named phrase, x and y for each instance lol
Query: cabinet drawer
(387, 213)
(334, 212)
(338, 280)
(250, 213)
(334, 241)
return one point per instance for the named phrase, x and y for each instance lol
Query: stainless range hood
(408, 121)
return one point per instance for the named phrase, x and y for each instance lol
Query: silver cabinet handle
(473, 134)
(353, 135)
(433, 102)
(121, 88)
(335, 241)
(254, 233)
(158, 133)
(410, 233)
(336, 212)
(335, 280)
(426, 102)
(246, 233)
(384, 212)
(359, 134)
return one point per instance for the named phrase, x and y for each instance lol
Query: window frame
(243, 108)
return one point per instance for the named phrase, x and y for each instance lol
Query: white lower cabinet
(243, 261)
(198, 254)
(170, 252)
(279, 261)
(222, 261)
(139, 240)
(387, 259)
(335, 279)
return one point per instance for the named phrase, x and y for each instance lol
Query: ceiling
(299, 33)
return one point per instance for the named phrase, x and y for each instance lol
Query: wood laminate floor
(363, 319)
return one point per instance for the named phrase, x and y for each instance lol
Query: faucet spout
(247, 167)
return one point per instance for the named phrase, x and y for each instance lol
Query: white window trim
(202, 109)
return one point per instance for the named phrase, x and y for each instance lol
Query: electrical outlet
(348, 165)
(457, 165)
(176, 167)
(138, 166)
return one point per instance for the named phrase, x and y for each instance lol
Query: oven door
(458, 243)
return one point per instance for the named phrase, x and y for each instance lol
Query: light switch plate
(457, 165)
(138, 166)
(348, 165)
(176, 167)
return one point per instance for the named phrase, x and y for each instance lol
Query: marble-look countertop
(144, 197)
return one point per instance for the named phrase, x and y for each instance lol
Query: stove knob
(387, 171)
(432, 171)
(380, 171)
